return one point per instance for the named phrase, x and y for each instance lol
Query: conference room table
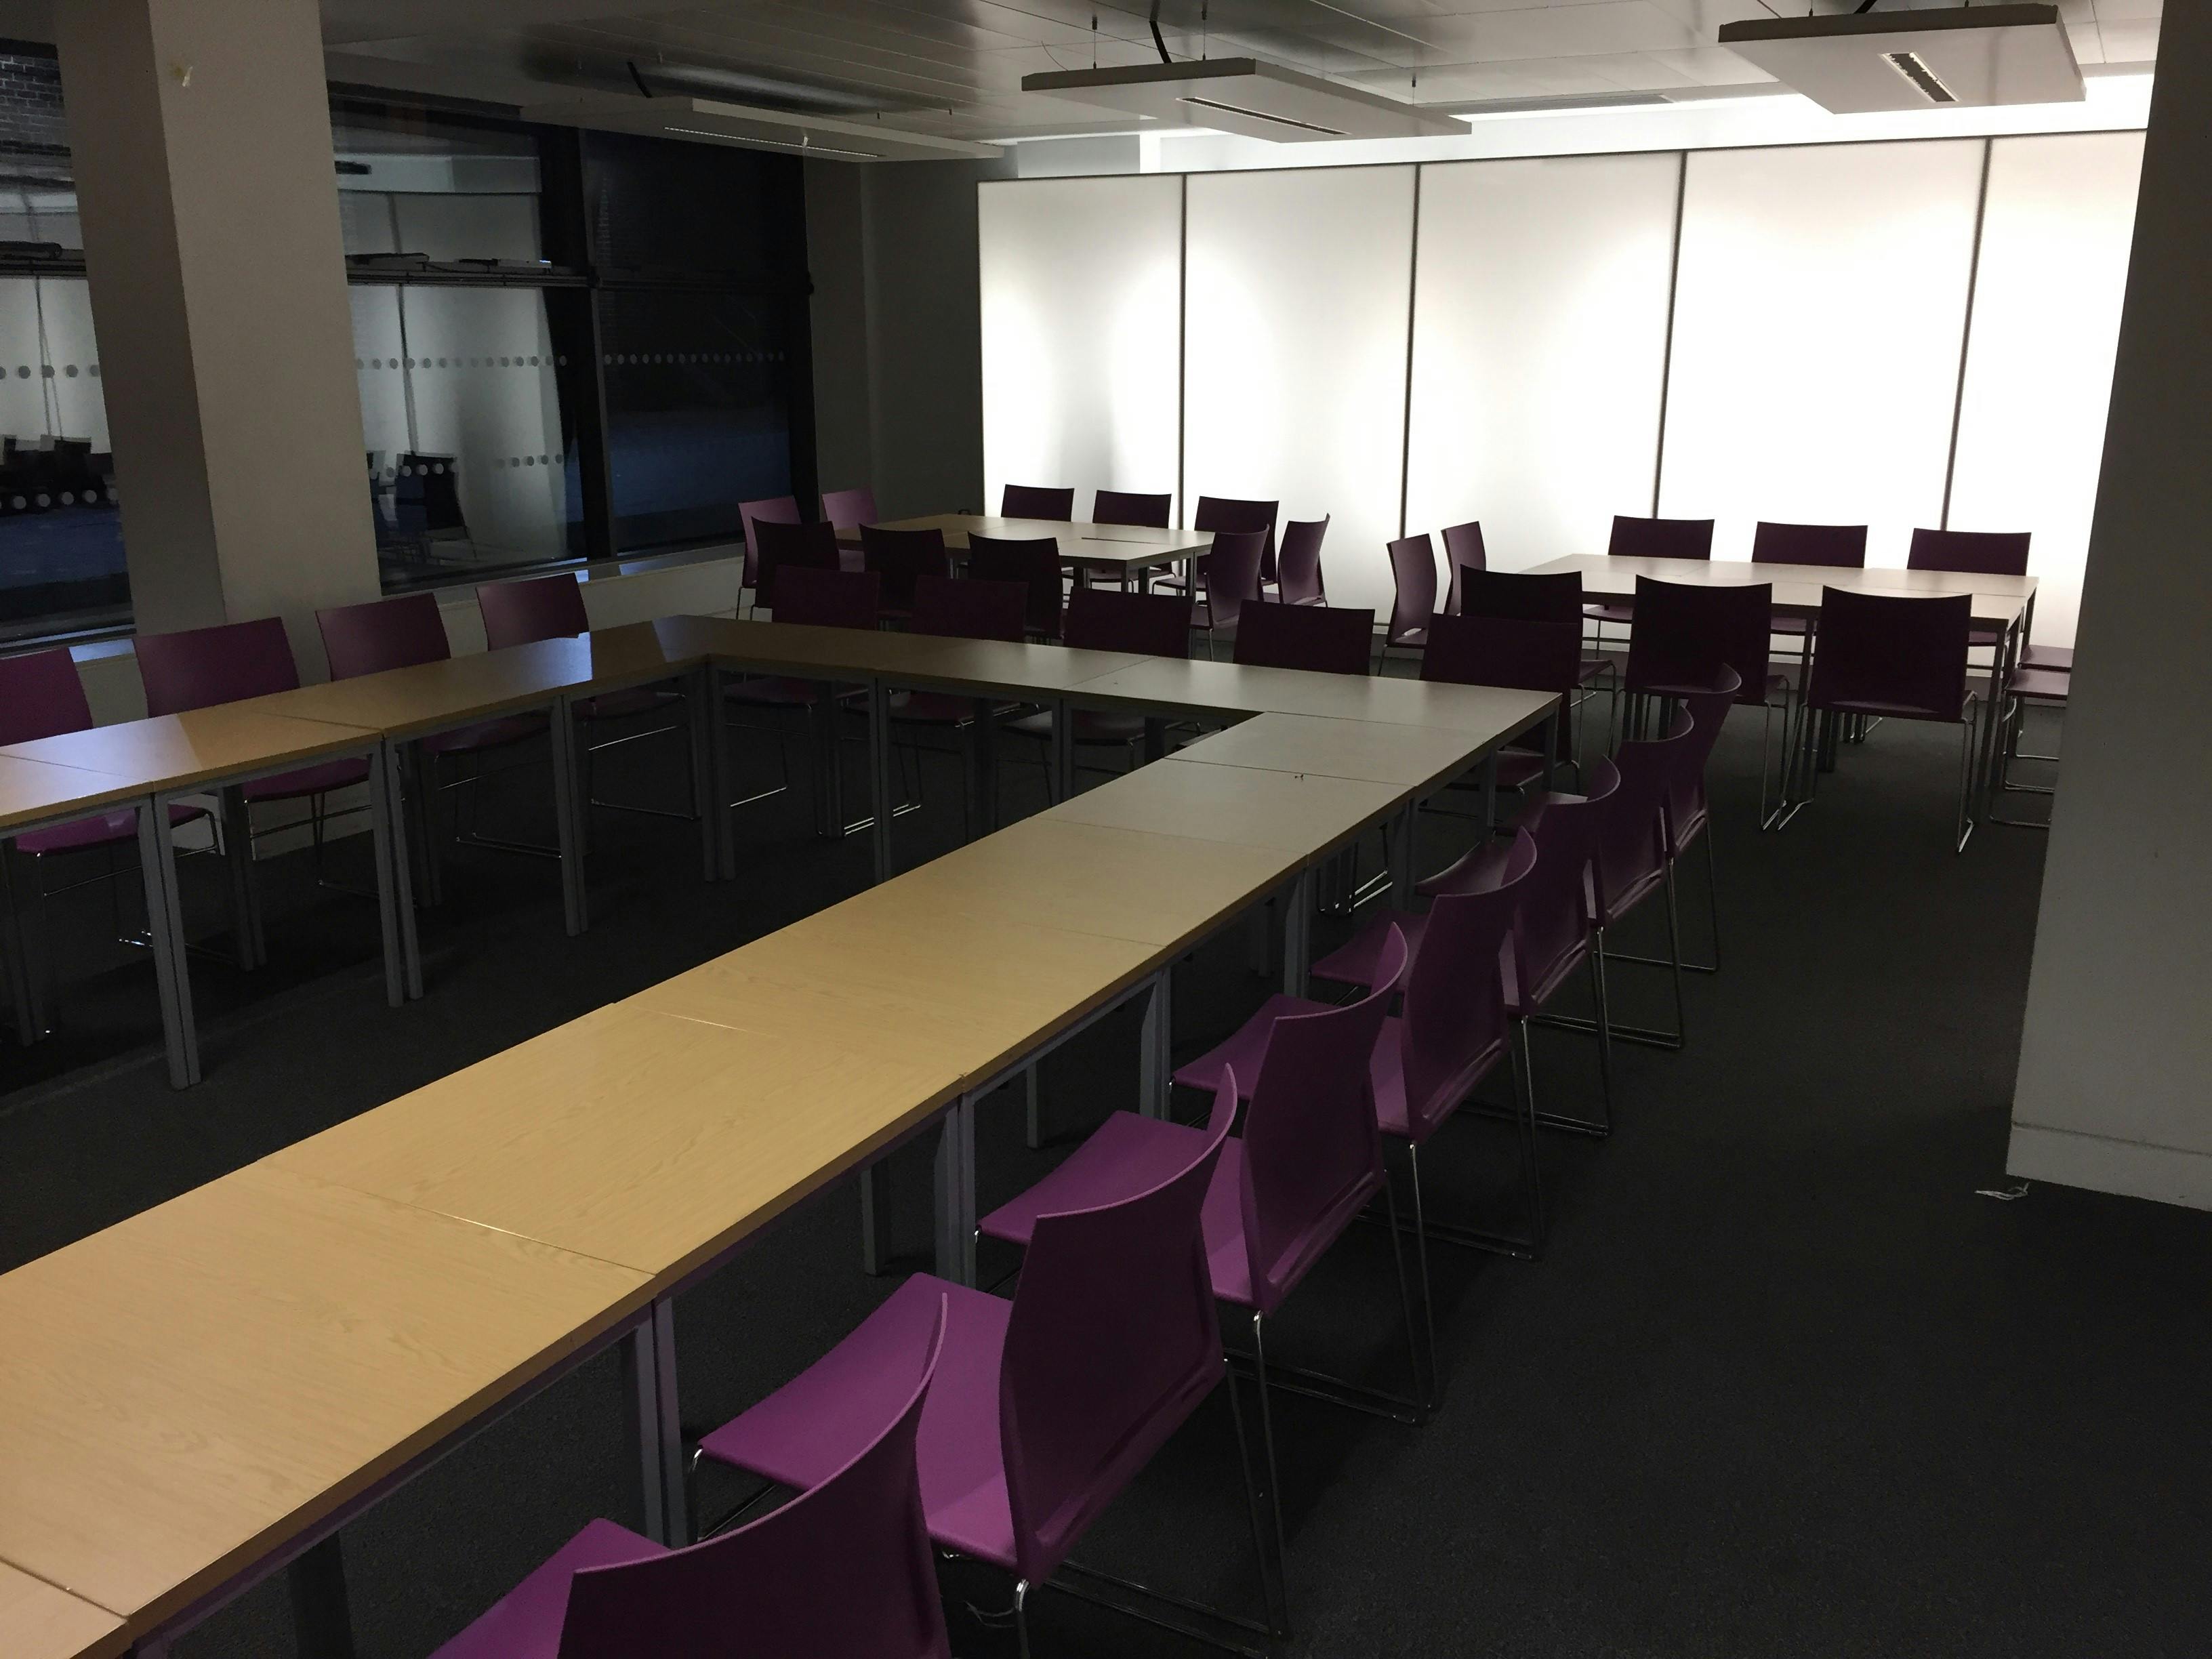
(204, 1394)
(2004, 605)
(1129, 553)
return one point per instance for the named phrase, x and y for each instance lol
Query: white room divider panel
(1820, 311)
(2054, 270)
(1540, 345)
(1296, 291)
(1081, 292)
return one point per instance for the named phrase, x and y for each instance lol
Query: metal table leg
(569, 817)
(880, 773)
(393, 760)
(1402, 829)
(705, 706)
(388, 884)
(1063, 750)
(649, 1368)
(1298, 932)
(322, 1618)
(157, 866)
(1155, 1059)
(956, 1193)
(238, 856)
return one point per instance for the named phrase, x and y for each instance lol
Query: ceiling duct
(784, 132)
(1867, 61)
(1247, 96)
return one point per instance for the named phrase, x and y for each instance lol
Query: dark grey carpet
(1784, 1383)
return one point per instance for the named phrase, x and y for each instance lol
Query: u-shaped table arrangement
(204, 1394)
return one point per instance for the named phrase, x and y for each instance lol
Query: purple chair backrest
(1323, 639)
(828, 598)
(1659, 539)
(1687, 633)
(1463, 551)
(1524, 656)
(902, 556)
(1841, 546)
(1685, 790)
(381, 634)
(1226, 512)
(1554, 916)
(776, 509)
(782, 546)
(965, 609)
(1521, 596)
(1112, 1342)
(1036, 501)
(1454, 1007)
(1898, 649)
(848, 510)
(1414, 578)
(543, 608)
(1297, 562)
(844, 1568)
(1149, 624)
(1311, 1143)
(1984, 552)
(1230, 574)
(41, 696)
(1631, 830)
(1123, 507)
(1033, 560)
(223, 664)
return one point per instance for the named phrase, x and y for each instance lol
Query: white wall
(1818, 323)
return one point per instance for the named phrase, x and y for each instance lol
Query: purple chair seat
(106, 830)
(2042, 685)
(816, 1423)
(1623, 613)
(774, 691)
(1092, 725)
(936, 709)
(309, 780)
(1354, 961)
(2059, 658)
(621, 705)
(1242, 1051)
(525, 1623)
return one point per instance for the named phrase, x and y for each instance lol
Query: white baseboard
(2170, 1174)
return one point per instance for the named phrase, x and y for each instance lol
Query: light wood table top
(434, 697)
(39, 792)
(1002, 668)
(1301, 816)
(216, 1374)
(633, 1135)
(1412, 757)
(1171, 686)
(1117, 546)
(1997, 599)
(798, 648)
(1164, 891)
(203, 746)
(38, 1621)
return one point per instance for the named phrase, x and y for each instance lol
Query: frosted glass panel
(2055, 239)
(1079, 294)
(1819, 316)
(1539, 345)
(1295, 353)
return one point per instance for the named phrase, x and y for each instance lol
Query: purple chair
(1650, 538)
(1228, 580)
(228, 663)
(1463, 551)
(1217, 513)
(1309, 1160)
(1043, 1409)
(1687, 633)
(782, 545)
(42, 697)
(1413, 579)
(1298, 579)
(2025, 689)
(405, 632)
(1110, 619)
(1891, 656)
(1983, 552)
(1689, 808)
(963, 609)
(1831, 546)
(843, 1568)
(1032, 561)
(1524, 596)
(1523, 656)
(815, 597)
(774, 509)
(1121, 507)
(1319, 638)
(1633, 858)
(901, 557)
(848, 510)
(1036, 501)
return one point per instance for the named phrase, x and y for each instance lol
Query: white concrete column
(201, 135)
(2115, 1084)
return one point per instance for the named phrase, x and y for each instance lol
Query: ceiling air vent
(1867, 61)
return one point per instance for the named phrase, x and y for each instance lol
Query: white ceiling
(954, 67)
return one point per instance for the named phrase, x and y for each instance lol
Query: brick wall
(31, 108)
